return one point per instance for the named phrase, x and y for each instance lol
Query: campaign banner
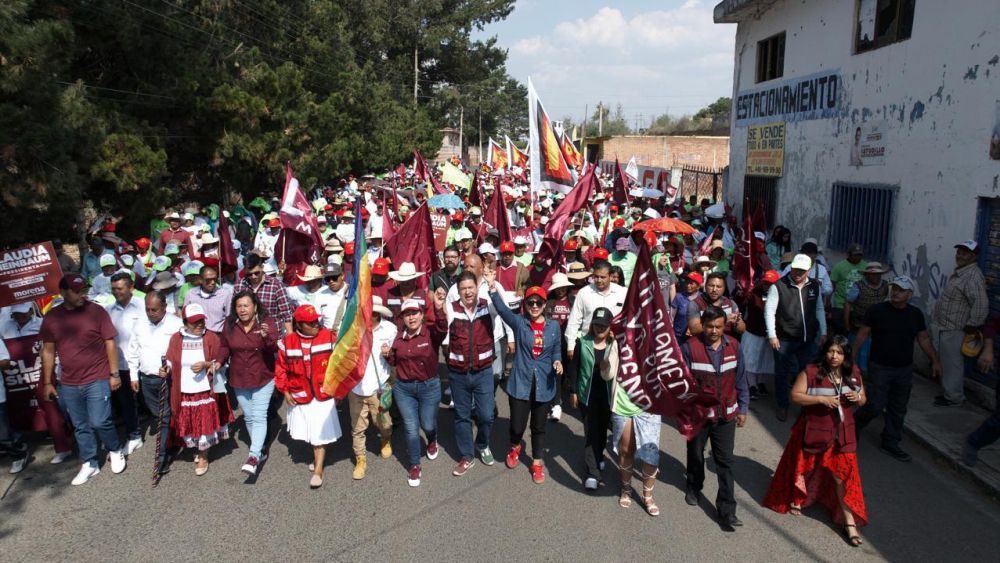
(28, 273)
(21, 381)
(647, 177)
(439, 225)
(766, 149)
(868, 148)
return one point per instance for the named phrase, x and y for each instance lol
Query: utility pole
(600, 119)
(583, 135)
(416, 74)
(479, 146)
(461, 129)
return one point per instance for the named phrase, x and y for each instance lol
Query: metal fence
(702, 182)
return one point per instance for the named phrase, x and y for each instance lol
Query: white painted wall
(935, 95)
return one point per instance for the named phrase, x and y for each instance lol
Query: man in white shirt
(126, 313)
(364, 399)
(314, 292)
(144, 357)
(601, 292)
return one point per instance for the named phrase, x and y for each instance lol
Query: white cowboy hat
(379, 308)
(406, 272)
(312, 272)
(560, 280)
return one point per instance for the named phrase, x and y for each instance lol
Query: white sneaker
(86, 472)
(117, 461)
(590, 484)
(18, 465)
(133, 445)
(555, 413)
(60, 457)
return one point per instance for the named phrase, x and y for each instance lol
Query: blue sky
(652, 57)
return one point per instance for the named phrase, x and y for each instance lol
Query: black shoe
(753, 394)
(692, 497)
(782, 414)
(762, 390)
(940, 401)
(730, 522)
(896, 452)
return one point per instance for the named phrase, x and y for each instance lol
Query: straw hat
(560, 280)
(577, 271)
(312, 273)
(406, 272)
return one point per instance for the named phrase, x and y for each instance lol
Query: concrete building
(876, 121)
(664, 151)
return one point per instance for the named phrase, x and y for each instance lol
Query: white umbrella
(645, 192)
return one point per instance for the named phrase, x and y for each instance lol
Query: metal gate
(762, 190)
(702, 182)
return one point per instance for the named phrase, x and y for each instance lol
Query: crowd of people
(160, 325)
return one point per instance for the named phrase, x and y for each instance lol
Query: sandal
(625, 500)
(647, 501)
(854, 539)
(200, 465)
(795, 510)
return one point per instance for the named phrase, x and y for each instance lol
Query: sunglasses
(332, 278)
(535, 303)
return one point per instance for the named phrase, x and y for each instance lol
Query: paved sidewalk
(943, 430)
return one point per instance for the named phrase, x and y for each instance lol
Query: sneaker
(762, 390)
(432, 450)
(941, 401)
(970, 455)
(413, 476)
(590, 484)
(86, 472)
(555, 413)
(512, 456)
(463, 467)
(538, 473)
(19, 462)
(250, 465)
(133, 445)
(753, 393)
(60, 457)
(117, 461)
(486, 456)
(315, 482)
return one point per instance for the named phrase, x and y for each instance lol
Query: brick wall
(667, 151)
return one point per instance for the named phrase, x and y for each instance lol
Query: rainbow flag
(354, 339)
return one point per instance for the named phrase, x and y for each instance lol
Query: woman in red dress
(819, 463)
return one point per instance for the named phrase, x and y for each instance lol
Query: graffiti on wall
(930, 278)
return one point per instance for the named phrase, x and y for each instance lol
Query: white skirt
(758, 356)
(315, 422)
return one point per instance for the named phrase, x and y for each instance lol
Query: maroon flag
(401, 170)
(620, 191)
(496, 216)
(414, 242)
(424, 173)
(388, 228)
(395, 200)
(296, 213)
(743, 260)
(576, 200)
(652, 370)
(475, 192)
(227, 253)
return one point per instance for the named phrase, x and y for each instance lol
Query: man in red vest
(716, 363)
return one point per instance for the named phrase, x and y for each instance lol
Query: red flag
(296, 213)
(559, 222)
(227, 253)
(414, 242)
(743, 258)
(620, 193)
(401, 170)
(475, 192)
(388, 228)
(569, 151)
(395, 200)
(424, 173)
(496, 216)
(496, 156)
(652, 369)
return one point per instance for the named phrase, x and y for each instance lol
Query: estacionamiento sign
(816, 96)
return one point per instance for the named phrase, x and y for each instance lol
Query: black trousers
(520, 411)
(723, 439)
(596, 415)
(888, 390)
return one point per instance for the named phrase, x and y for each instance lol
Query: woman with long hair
(249, 341)
(780, 243)
(201, 414)
(820, 463)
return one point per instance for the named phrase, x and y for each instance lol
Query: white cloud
(605, 28)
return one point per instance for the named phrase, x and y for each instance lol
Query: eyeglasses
(332, 278)
(535, 303)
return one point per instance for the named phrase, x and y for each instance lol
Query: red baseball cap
(619, 222)
(349, 248)
(536, 291)
(457, 216)
(305, 314)
(601, 253)
(571, 244)
(695, 277)
(380, 267)
(274, 223)
(507, 247)
(614, 208)
(74, 282)
(771, 276)
(142, 243)
(650, 237)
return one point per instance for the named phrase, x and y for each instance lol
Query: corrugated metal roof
(734, 11)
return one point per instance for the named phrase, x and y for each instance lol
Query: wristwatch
(116, 376)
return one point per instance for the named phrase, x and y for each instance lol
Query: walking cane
(157, 473)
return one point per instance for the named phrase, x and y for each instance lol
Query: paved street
(919, 511)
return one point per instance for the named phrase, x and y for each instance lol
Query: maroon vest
(722, 383)
(825, 427)
(470, 342)
(725, 304)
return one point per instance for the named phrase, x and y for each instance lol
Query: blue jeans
(127, 405)
(253, 403)
(789, 360)
(472, 391)
(89, 409)
(418, 405)
(150, 385)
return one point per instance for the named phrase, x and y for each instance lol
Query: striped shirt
(963, 302)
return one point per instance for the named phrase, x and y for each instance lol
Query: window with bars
(771, 57)
(863, 214)
(762, 190)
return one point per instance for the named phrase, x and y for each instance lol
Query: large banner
(439, 225)
(21, 381)
(766, 149)
(28, 273)
(652, 369)
(549, 169)
(647, 177)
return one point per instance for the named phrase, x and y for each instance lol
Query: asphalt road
(919, 511)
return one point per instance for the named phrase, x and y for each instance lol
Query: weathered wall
(668, 150)
(935, 96)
